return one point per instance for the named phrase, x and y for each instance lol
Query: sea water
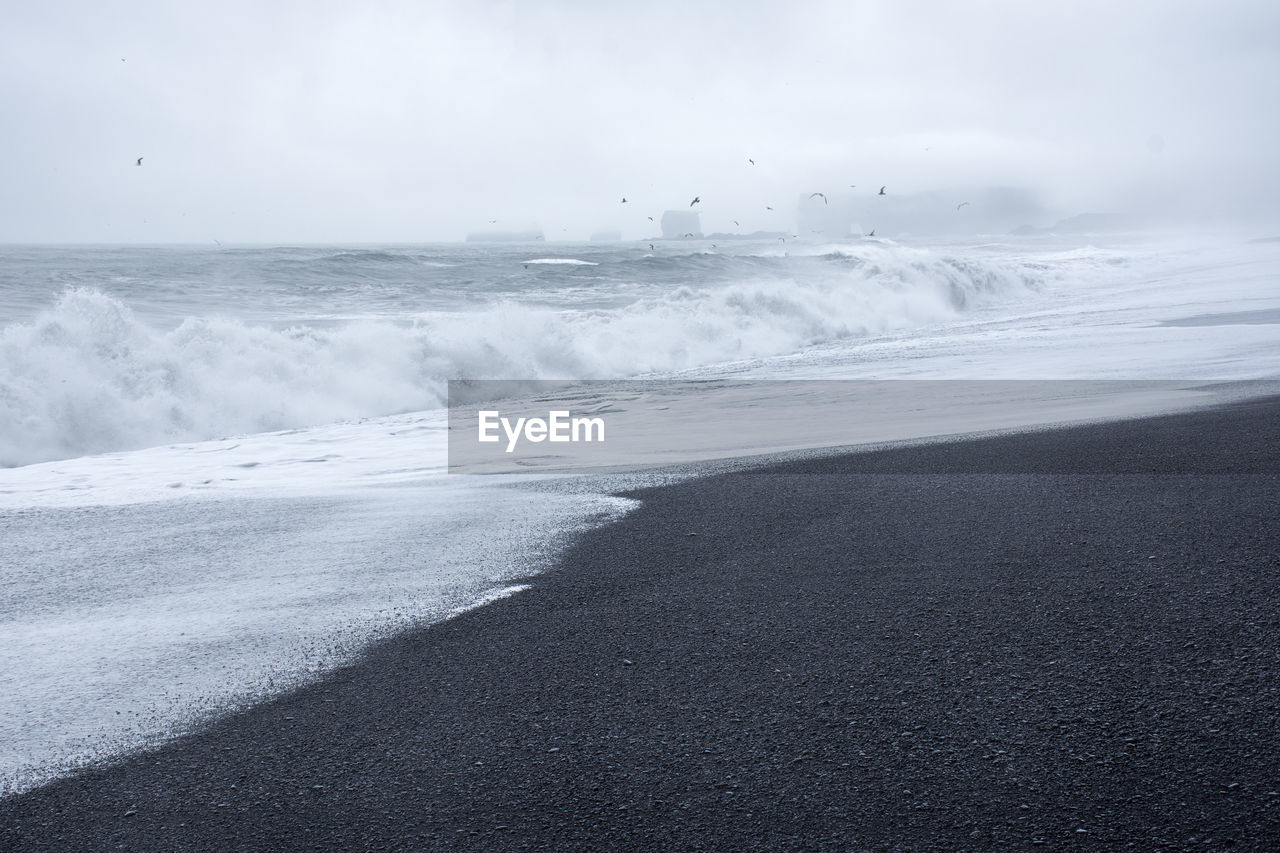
(224, 467)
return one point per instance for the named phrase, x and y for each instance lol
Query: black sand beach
(1068, 639)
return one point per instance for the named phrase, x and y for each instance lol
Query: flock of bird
(751, 162)
(698, 199)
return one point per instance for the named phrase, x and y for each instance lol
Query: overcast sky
(419, 121)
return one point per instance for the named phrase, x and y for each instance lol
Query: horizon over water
(222, 468)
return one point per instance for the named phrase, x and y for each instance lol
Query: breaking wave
(88, 375)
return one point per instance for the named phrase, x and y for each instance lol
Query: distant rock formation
(678, 223)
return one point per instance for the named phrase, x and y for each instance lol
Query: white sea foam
(267, 493)
(123, 625)
(89, 376)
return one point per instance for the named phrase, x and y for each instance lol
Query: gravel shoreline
(1065, 639)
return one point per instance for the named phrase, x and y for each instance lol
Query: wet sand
(1065, 638)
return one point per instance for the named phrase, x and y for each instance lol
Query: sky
(389, 122)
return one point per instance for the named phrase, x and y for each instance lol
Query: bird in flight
(882, 191)
(824, 198)
(650, 218)
(689, 234)
(624, 200)
(852, 186)
(139, 161)
(650, 247)
(961, 204)
(767, 207)
(752, 162)
(696, 199)
(873, 233)
(735, 222)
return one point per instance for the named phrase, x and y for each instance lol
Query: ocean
(223, 468)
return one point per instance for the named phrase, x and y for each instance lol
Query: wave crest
(89, 376)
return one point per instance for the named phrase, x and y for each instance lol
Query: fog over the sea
(424, 121)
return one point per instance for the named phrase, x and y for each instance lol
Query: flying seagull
(824, 198)
(873, 233)
(735, 222)
(650, 247)
(767, 207)
(752, 162)
(961, 204)
(696, 199)
(689, 234)
(650, 218)
(624, 200)
(882, 191)
(139, 161)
